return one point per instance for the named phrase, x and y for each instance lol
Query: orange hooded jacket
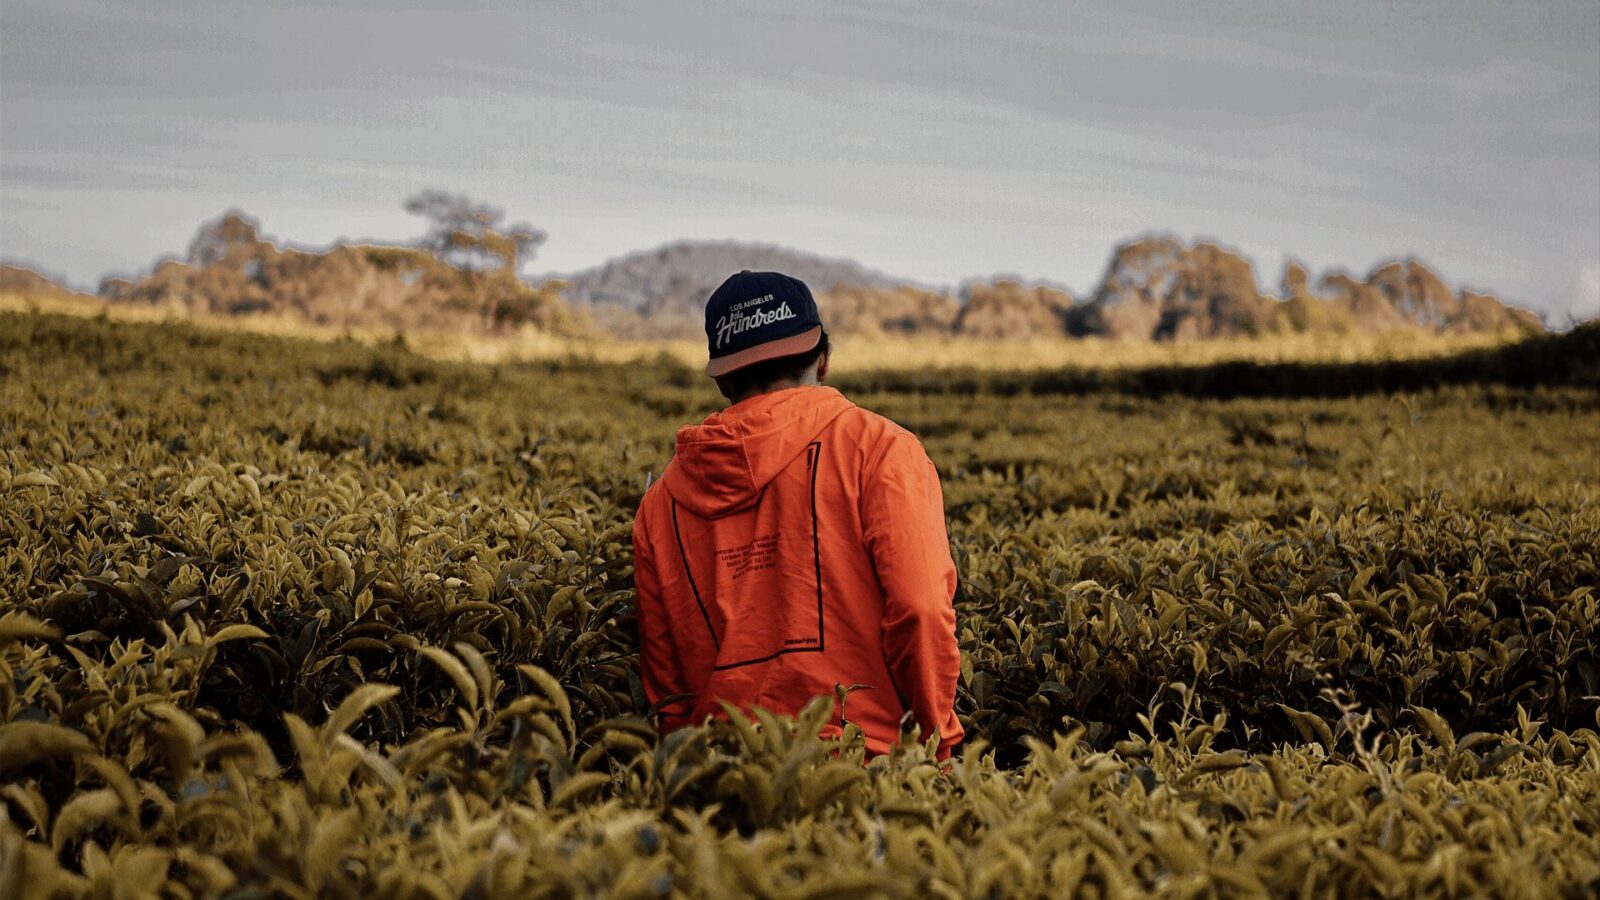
(797, 542)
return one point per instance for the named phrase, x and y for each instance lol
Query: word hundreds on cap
(737, 321)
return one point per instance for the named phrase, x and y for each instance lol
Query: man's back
(797, 542)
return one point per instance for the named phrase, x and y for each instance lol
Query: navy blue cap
(757, 316)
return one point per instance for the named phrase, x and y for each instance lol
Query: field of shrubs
(283, 618)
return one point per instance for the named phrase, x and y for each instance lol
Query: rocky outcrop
(1303, 310)
(1361, 304)
(1215, 295)
(1486, 312)
(1128, 302)
(1416, 294)
(231, 269)
(23, 280)
(1158, 288)
(1296, 280)
(1008, 309)
(1407, 292)
(900, 310)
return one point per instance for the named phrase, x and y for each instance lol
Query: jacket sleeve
(903, 521)
(660, 670)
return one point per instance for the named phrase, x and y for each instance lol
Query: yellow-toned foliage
(284, 618)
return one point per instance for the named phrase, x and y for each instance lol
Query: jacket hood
(721, 465)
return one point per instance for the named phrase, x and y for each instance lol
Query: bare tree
(468, 235)
(216, 238)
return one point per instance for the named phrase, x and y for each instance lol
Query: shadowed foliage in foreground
(1568, 359)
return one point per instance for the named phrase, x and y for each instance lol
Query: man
(795, 543)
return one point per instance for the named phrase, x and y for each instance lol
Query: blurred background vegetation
(460, 283)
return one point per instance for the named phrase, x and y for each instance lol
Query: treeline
(1154, 288)
(461, 276)
(464, 275)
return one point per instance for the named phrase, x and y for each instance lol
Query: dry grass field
(856, 352)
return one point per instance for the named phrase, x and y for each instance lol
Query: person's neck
(773, 388)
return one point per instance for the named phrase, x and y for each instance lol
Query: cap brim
(789, 346)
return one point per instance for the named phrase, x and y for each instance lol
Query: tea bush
(321, 619)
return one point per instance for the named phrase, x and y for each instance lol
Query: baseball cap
(756, 316)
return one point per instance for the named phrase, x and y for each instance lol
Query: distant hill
(23, 280)
(662, 292)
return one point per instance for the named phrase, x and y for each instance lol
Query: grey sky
(933, 140)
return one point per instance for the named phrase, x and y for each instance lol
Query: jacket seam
(683, 555)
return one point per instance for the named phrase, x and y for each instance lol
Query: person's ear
(822, 364)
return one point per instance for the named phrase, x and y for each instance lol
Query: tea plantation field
(301, 619)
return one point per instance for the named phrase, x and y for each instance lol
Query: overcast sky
(931, 140)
